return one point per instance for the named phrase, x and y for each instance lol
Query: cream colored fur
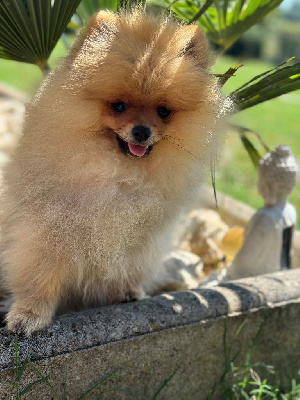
(85, 224)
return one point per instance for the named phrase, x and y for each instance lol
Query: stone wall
(143, 343)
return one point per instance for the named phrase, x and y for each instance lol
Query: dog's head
(149, 78)
(134, 98)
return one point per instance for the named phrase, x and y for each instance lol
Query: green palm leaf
(223, 78)
(30, 29)
(252, 151)
(225, 20)
(280, 80)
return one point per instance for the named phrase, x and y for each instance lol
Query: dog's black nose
(141, 133)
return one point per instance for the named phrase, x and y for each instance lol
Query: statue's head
(277, 175)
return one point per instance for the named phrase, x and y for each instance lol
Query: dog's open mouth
(132, 149)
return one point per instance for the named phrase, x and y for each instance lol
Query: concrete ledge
(150, 338)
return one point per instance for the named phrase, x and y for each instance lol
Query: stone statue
(268, 237)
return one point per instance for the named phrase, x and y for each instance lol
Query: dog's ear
(194, 45)
(103, 22)
(102, 27)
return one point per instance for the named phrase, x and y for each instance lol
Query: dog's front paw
(25, 321)
(135, 294)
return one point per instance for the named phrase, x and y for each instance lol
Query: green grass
(245, 379)
(277, 121)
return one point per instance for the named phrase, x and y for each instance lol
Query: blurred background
(270, 42)
(265, 45)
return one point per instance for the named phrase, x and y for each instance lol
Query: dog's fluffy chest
(109, 218)
(116, 236)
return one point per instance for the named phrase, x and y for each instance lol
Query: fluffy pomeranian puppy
(114, 144)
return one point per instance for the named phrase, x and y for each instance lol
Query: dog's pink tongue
(137, 149)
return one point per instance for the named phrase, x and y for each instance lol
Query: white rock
(200, 234)
(181, 270)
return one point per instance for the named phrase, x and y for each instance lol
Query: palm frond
(30, 29)
(202, 10)
(242, 130)
(252, 151)
(273, 83)
(223, 78)
(224, 21)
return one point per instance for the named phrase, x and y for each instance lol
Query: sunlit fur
(85, 224)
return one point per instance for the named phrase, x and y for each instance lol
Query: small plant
(244, 382)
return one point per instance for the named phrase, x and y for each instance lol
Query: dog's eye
(119, 106)
(163, 112)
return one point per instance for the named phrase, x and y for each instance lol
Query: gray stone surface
(147, 340)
